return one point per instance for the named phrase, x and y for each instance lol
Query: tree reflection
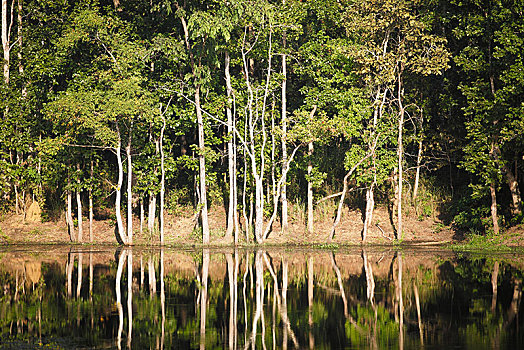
(301, 299)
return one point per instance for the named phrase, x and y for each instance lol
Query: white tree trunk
(129, 189)
(400, 155)
(121, 235)
(6, 37)
(152, 213)
(91, 205)
(79, 206)
(310, 219)
(69, 212)
(202, 169)
(162, 180)
(232, 216)
(284, 144)
(417, 174)
(370, 206)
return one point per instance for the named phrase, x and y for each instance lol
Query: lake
(62, 297)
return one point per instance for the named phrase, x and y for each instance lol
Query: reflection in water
(259, 299)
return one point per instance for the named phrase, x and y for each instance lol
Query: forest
(129, 110)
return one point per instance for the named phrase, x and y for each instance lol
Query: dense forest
(126, 108)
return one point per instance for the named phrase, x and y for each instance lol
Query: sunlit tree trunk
(151, 212)
(129, 188)
(69, 211)
(79, 205)
(162, 180)
(6, 37)
(232, 214)
(400, 153)
(284, 136)
(493, 194)
(121, 235)
(310, 219)
(90, 194)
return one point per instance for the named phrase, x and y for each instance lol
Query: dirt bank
(181, 230)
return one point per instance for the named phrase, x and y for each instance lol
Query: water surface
(102, 298)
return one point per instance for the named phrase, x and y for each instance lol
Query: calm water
(62, 297)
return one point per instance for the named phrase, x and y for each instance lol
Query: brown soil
(181, 230)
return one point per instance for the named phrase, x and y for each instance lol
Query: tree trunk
(162, 180)
(284, 142)
(400, 154)
(417, 174)
(370, 206)
(129, 188)
(310, 189)
(511, 181)
(69, 212)
(493, 193)
(202, 168)
(79, 205)
(151, 213)
(121, 235)
(141, 215)
(232, 216)
(259, 209)
(6, 34)
(90, 193)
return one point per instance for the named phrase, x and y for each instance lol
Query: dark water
(102, 298)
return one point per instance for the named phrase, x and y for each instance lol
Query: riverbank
(181, 230)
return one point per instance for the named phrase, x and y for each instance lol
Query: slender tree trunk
(259, 209)
(370, 206)
(151, 277)
(493, 193)
(6, 34)
(310, 218)
(511, 180)
(232, 216)
(417, 174)
(79, 206)
(121, 235)
(400, 154)
(151, 213)
(141, 215)
(162, 180)
(129, 188)
(202, 168)
(69, 212)
(284, 140)
(90, 194)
